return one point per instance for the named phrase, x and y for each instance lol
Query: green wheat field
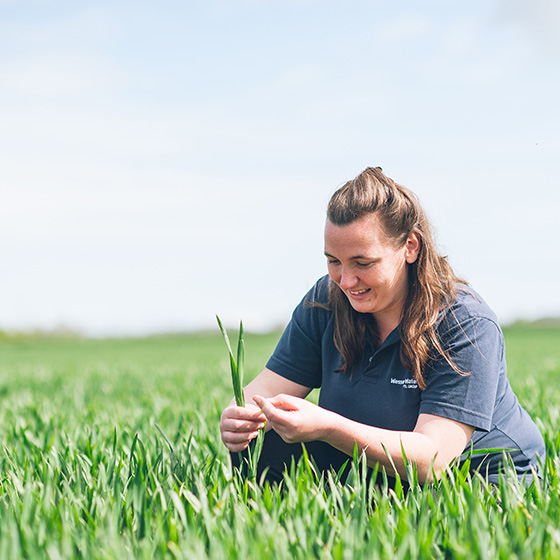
(111, 449)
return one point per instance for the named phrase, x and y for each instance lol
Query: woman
(407, 356)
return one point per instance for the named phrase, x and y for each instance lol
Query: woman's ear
(412, 247)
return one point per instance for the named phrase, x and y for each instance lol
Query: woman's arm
(433, 444)
(239, 425)
(270, 384)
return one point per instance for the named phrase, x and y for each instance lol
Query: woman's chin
(362, 306)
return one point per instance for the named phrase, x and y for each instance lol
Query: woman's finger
(239, 437)
(266, 406)
(287, 402)
(244, 413)
(275, 412)
(232, 425)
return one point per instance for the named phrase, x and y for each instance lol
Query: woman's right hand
(239, 425)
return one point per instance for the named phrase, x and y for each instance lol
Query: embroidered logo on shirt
(409, 383)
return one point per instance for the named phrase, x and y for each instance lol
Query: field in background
(110, 449)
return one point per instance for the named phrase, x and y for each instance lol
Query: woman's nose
(347, 279)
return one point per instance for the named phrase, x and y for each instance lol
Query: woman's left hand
(294, 419)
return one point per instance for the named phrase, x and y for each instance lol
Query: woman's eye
(364, 265)
(332, 261)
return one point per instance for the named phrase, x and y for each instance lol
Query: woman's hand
(294, 419)
(433, 444)
(239, 425)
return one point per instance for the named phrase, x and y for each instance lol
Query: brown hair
(432, 284)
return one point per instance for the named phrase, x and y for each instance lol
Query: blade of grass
(238, 384)
(236, 381)
(255, 453)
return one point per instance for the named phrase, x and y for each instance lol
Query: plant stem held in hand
(237, 370)
(236, 367)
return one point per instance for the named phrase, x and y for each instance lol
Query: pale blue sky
(166, 161)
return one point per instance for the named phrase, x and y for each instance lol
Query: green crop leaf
(236, 372)
(238, 390)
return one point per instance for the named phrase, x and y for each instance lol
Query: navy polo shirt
(381, 392)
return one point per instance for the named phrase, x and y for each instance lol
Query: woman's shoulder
(314, 311)
(318, 295)
(468, 307)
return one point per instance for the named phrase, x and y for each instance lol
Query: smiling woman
(410, 361)
(369, 270)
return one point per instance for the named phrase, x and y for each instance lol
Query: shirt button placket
(372, 377)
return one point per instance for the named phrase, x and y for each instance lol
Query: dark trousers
(277, 455)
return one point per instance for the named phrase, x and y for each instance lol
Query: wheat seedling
(237, 370)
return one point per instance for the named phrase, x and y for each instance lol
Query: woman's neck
(385, 326)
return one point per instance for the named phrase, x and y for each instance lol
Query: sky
(163, 162)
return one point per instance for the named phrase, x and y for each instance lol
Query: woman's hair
(432, 284)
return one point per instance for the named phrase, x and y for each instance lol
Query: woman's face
(368, 269)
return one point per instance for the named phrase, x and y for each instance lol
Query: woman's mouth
(356, 293)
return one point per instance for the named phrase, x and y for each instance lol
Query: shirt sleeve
(298, 355)
(476, 347)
